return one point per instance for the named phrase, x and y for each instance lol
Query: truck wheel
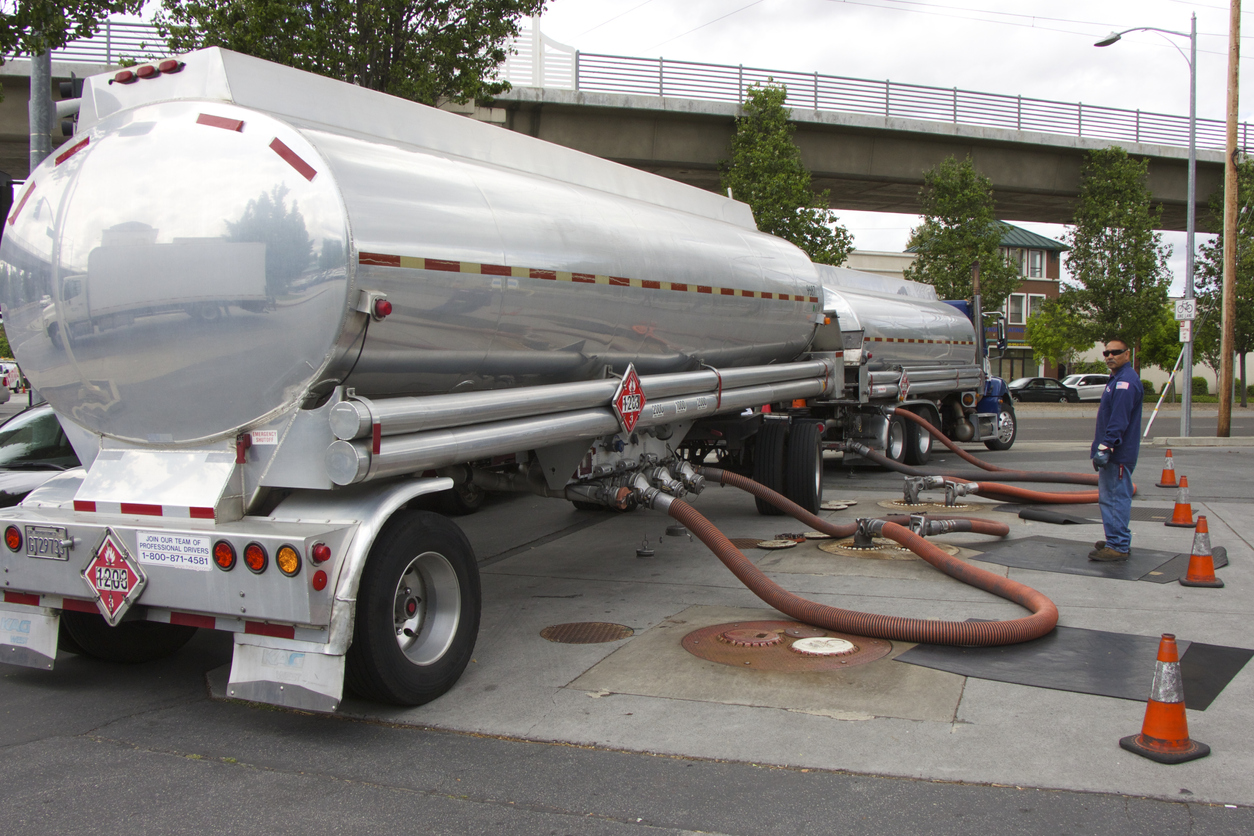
(417, 611)
(895, 446)
(768, 462)
(1007, 428)
(130, 642)
(919, 441)
(461, 499)
(803, 473)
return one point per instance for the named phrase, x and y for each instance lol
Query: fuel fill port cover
(771, 646)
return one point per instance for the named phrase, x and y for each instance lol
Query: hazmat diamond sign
(114, 578)
(629, 399)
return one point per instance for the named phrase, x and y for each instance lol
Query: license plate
(48, 542)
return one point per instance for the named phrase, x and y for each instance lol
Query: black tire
(919, 440)
(768, 462)
(418, 608)
(895, 446)
(1007, 428)
(461, 500)
(130, 642)
(803, 471)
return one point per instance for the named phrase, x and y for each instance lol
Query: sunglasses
(1114, 353)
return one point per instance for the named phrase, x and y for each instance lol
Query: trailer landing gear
(417, 612)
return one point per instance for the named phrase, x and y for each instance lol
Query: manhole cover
(838, 504)
(712, 644)
(745, 542)
(884, 549)
(776, 544)
(817, 535)
(586, 632)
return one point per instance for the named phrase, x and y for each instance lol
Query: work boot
(1107, 555)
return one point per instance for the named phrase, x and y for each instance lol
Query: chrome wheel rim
(1005, 427)
(896, 440)
(427, 608)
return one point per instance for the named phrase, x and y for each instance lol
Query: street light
(1186, 401)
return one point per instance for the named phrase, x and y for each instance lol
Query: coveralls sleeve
(1121, 402)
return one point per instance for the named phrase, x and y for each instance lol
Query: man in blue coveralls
(1116, 443)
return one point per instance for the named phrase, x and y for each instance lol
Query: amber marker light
(13, 538)
(255, 558)
(224, 555)
(288, 561)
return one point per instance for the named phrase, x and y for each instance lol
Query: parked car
(1090, 386)
(1042, 389)
(33, 449)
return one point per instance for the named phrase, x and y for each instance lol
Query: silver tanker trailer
(406, 304)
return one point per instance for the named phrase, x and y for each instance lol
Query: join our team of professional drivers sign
(115, 579)
(629, 399)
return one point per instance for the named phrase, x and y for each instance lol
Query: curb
(1203, 441)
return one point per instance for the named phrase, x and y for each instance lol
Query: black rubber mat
(1090, 662)
(1080, 514)
(1050, 554)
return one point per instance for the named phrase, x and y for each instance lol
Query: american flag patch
(1123, 384)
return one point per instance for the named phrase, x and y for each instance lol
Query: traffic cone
(1168, 479)
(1164, 735)
(1201, 564)
(1182, 516)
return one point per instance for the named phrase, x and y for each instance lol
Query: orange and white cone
(1164, 735)
(1201, 563)
(1168, 479)
(1182, 516)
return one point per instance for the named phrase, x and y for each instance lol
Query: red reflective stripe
(584, 278)
(77, 605)
(84, 505)
(291, 158)
(678, 286)
(20, 204)
(651, 285)
(220, 122)
(376, 437)
(704, 289)
(201, 513)
(380, 259)
(65, 155)
(190, 620)
(278, 631)
(141, 509)
(22, 598)
(617, 281)
(442, 265)
(551, 275)
(496, 270)
(727, 291)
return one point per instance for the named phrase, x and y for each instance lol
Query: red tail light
(224, 555)
(321, 553)
(255, 558)
(13, 538)
(146, 71)
(170, 65)
(124, 77)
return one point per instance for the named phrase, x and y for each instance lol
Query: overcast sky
(1028, 47)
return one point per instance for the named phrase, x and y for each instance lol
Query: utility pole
(1226, 342)
(39, 111)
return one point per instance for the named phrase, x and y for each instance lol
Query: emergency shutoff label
(181, 551)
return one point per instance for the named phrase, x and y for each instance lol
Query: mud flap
(288, 673)
(28, 636)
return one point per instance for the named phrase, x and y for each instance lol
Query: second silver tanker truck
(445, 306)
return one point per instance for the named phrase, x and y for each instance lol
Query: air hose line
(968, 633)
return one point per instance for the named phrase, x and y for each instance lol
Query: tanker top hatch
(179, 274)
(843, 277)
(301, 97)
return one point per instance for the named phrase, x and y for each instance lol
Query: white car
(1090, 386)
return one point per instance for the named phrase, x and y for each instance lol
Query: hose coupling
(953, 490)
(692, 480)
(662, 478)
(864, 536)
(917, 484)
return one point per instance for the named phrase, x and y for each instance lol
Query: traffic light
(72, 89)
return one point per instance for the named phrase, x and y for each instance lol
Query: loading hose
(969, 633)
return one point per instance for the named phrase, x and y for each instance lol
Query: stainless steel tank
(907, 327)
(507, 261)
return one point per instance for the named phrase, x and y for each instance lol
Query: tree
(31, 28)
(424, 50)
(959, 231)
(1160, 346)
(765, 171)
(1117, 259)
(1209, 276)
(1056, 334)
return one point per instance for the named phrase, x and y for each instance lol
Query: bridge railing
(565, 67)
(537, 61)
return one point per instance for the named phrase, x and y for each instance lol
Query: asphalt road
(1067, 422)
(106, 749)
